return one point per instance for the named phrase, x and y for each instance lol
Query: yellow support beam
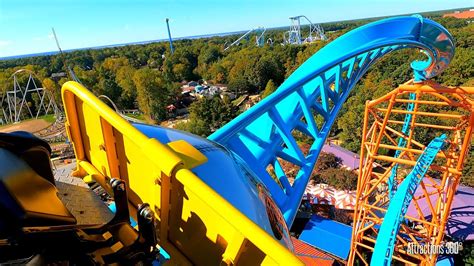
(196, 224)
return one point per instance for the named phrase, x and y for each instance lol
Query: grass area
(238, 100)
(48, 118)
(137, 116)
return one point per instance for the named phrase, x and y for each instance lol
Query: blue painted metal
(419, 67)
(162, 258)
(402, 142)
(169, 36)
(227, 174)
(113, 209)
(387, 236)
(319, 87)
(328, 235)
(445, 260)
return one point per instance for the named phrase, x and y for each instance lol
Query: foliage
(343, 216)
(328, 170)
(145, 76)
(326, 161)
(269, 89)
(467, 253)
(339, 178)
(48, 118)
(468, 171)
(208, 114)
(152, 94)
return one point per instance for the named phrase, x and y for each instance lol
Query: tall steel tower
(169, 35)
(69, 70)
(293, 36)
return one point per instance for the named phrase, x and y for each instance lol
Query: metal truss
(387, 236)
(309, 101)
(293, 36)
(15, 101)
(381, 222)
(259, 38)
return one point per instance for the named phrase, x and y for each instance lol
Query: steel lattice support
(259, 38)
(309, 101)
(384, 127)
(293, 36)
(15, 101)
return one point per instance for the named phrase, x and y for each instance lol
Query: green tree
(152, 94)
(90, 78)
(239, 85)
(206, 58)
(110, 88)
(267, 69)
(114, 63)
(124, 79)
(180, 66)
(217, 73)
(53, 87)
(461, 68)
(195, 126)
(350, 121)
(5, 82)
(209, 114)
(269, 89)
(339, 178)
(326, 161)
(468, 171)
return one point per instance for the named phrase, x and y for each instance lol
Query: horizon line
(200, 36)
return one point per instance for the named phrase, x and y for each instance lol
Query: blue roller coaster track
(402, 143)
(387, 235)
(318, 88)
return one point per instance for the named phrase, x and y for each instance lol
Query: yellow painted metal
(248, 243)
(191, 156)
(195, 224)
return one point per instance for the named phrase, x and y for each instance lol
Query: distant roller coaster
(259, 39)
(15, 105)
(293, 36)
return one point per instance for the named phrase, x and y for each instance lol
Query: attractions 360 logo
(446, 248)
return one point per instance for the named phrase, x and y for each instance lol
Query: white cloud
(5, 43)
(43, 38)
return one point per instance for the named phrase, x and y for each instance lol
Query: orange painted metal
(438, 110)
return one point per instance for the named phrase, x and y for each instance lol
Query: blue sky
(25, 25)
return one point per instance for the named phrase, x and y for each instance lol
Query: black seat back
(27, 196)
(31, 149)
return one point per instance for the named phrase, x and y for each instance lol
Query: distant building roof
(199, 88)
(310, 255)
(60, 74)
(328, 235)
(187, 89)
(349, 159)
(463, 14)
(220, 85)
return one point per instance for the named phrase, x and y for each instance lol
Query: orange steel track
(437, 110)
